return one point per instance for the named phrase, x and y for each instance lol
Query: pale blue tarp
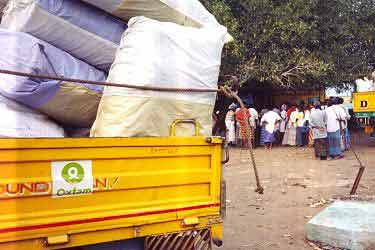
(86, 17)
(80, 29)
(25, 53)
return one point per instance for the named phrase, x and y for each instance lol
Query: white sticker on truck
(71, 178)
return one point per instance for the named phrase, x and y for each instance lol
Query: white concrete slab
(345, 224)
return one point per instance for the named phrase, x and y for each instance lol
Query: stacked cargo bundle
(190, 13)
(180, 46)
(169, 43)
(83, 31)
(161, 54)
(19, 121)
(65, 38)
(67, 103)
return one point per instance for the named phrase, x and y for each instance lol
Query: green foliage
(298, 42)
(234, 52)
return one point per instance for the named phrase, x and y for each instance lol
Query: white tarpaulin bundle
(18, 121)
(67, 103)
(160, 54)
(184, 12)
(82, 30)
(365, 85)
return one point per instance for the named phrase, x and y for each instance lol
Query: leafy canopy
(298, 42)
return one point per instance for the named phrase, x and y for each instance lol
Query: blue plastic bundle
(68, 103)
(80, 29)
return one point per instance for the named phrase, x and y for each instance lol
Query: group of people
(324, 126)
(237, 120)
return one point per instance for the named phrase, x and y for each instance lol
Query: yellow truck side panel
(142, 186)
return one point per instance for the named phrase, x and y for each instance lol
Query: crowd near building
(323, 126)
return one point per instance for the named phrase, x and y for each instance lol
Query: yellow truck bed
(141, 187)
(364, 104)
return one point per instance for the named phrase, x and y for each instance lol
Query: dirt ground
(297, 187)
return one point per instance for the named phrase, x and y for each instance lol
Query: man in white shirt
(269, 122)
(335, 118)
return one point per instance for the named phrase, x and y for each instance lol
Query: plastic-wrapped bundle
(19, 121)
(365, 85)
(160, 54)
(184, 12)
(84, 31)
(67, 103)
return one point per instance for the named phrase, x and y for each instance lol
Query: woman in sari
(242, 118)
(283, 122)
(290, 132)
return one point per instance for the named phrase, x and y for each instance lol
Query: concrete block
(345, 224)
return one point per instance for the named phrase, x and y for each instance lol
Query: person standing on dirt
(219, 123)
(253, 122)
(242, 114)
(335, 115)
(277, 128)
(230, 125)
(301, 128)
(345, 129)
(318, 123)
(290, 132)
(283, 122)
(309, 135)
(261, 130)
(269, 122)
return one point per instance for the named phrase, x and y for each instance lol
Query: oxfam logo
(73, 173)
